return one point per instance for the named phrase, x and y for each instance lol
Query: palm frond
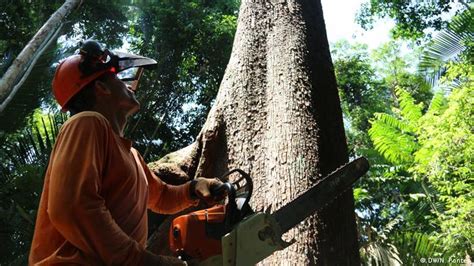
(463, 24)
(447, 46)
(32, 146)
(413, 247)
(24, 159)
(376, 253)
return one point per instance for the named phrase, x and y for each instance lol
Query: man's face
(121, 94)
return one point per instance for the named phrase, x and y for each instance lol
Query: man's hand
(201, 188)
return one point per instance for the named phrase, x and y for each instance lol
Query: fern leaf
(395, 146)
(393, 122)
(409, 109)
(438, 104)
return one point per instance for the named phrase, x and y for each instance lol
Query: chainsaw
(233, 234)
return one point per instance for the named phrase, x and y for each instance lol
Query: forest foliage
(408, 110)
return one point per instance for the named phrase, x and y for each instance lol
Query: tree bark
(277, 116)
(26, 59)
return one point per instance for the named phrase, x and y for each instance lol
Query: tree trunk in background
(277, 116)
(27, 57)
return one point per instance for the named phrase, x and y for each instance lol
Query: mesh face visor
(127, 67)
(131, 76)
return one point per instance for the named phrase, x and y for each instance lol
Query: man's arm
(170, 199)
(164, 198)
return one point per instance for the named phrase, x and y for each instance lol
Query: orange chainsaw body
(198, 234)
(253, 236)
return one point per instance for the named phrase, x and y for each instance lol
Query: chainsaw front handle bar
(231, 188)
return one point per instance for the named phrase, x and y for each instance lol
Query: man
(97, 188)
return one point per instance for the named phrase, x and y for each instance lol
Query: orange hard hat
(76, 71)
(69, 80)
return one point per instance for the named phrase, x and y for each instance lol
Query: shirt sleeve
(75, 206)
(164, 198)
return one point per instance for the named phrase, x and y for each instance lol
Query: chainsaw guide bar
(321, 194)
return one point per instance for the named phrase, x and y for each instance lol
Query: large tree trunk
(10, 81)
(277, 116)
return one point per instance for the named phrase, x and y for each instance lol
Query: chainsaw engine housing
(198, 235)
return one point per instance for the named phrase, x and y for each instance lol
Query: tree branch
(27, 57)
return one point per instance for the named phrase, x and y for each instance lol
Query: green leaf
(416, 196)
(360, 194)
(396, 146)
(438, 104)
(409, 110)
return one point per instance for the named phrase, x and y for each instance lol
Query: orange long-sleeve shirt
(97, 189)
